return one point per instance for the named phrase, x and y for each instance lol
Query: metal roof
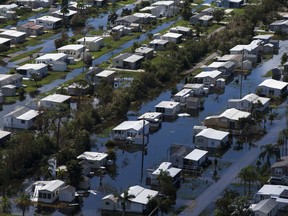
(4, 134)
(135, 125)
(57, 98)
(142, 195)
(272, 83)
(31, 114)
(168, 104)
(196, 154)
(92, 156)
(234, 114)
(211, 133)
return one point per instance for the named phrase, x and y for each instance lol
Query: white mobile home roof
(212, 134)
(133, 58)
(71, 47)
(52, 56)
(90, 39)
(212, 74)
(49, 19)
(271, 83)
(105, 73)
(272, 190)
(126, 125)
(28, 115)
(4, 133)
(183, 92)
(255, 98)
(32, 66)
(150, 115)
(162, 167)
(167, 104)
(70, 12)
(142, 195)
(4, 40)
(196, 154)
(58, 98)
(238, 48)
(265, 206)
(265, 37)
(173, 171)
(53, 185)
(181, 28)
(93, 156)
(13, 33)
(172, 35)
(159, 41)
(193, 86)
(166, 3)
(234, 114)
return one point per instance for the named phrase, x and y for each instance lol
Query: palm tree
(23, 203)
(124, 198)
(247, 174)
(270, 151)
(5, 205)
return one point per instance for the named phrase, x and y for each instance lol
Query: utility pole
(241, 75)
(84, 44)
(143, 148)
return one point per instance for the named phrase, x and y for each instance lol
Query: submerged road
(195, 207)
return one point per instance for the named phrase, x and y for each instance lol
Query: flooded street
(179, 131)
(128, 172)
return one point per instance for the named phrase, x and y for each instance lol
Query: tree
(218, 14)
(284, 58)
(74, 170)
(221, 204)
(167, 190)
(5, 205)
(124, 198)
(270, 151)
(112, 17)
(64, 10)
(23, 203)
(247, 174)
(35, 77)
(241, 207)
(186, 11)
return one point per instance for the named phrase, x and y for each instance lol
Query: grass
(268, 74)
(24, 55)
(31, 85)
(10, 99)
(198, 1)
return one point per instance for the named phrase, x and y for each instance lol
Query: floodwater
(179, 131)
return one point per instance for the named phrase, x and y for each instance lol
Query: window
(22, 121)
(271, 92)
(107, 203)
(44, 195)
(278, 171)
(49, 196)
(40, 195)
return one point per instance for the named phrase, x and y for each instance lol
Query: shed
(195, 158)
(8, 90)
(67, 194)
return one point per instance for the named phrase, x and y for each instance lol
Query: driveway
(239, 161)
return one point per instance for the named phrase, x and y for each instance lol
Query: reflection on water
(179, 131)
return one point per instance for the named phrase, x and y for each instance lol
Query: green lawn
(31, 85)
(24, 55)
